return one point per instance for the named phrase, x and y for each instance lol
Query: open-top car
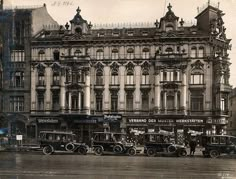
(52, 141)
(215, 145)
(159, 144)
(112, 142)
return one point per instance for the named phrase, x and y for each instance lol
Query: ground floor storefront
(180, 128)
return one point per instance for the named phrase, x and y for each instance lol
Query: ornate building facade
(169, 77)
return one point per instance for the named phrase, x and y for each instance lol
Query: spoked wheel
(132, 152)
(151, 152)
(48, 150)
(182, 153)
(82, 151)
(117, 149)
(214, 154)
(98, 150)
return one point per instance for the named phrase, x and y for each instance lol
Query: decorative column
(157, 100)
(137, 88)
(122, 90)
(48, 88)
(69, 102)
(62, 92)
(176, 100)
(79, 101)
(165, 101)
(184, 92)
(106, 88)
(33, 89)
(87, 92)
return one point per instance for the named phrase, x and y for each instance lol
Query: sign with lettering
(150, 120)
(112, 117)
(48, 120)
(85, 121)
(189, 120)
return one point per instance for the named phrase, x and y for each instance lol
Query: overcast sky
(128, 11)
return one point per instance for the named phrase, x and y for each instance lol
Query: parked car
(215, 145)
(156, 143)
(115, 143)
(52, 141)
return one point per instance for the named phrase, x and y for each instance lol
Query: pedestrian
(192, 145)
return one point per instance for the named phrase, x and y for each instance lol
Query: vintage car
(52, 141)
(108, 142)
(159, 144)
(215, 145)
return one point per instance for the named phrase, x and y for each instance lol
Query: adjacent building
(170, 77)
(231, 127)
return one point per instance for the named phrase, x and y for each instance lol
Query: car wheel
(82, 151)
(214, 154)
(182, 153)
(151, 152)
(48, 150)
(117, 149)
(171, 148)
(98, 150)
(70, 147)
(132, 152)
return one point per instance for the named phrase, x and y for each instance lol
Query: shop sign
(48, 120)
(150, 121)
(112, 117)
(218, 121)
(189, 120)
(86, 121)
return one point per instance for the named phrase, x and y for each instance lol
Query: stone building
(170, 77)
(17, 26)
(231, 127)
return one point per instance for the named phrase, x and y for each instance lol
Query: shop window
(114, 54)
(16, 103)
(146, 53)
(99, 54)
(130, 53)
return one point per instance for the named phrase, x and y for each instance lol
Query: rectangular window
(17, 56)
(40, 101)
(55, 101)
(197, 79)
(146, 55)
(16, 103)
(129, 101)
(17, 79)
(170, 102)
(130, 80)
(56, 79)
(145, 79)
(197, 101)
(98, 103)
(114, 80)
(145, 102)
(114, 103)
(193, 53)
(99, 80)
(41, 81)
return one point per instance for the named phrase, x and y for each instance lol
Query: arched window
(99, 77)
(201, 52)
(77, 53)
(169, 28)
(130, 53)
(193, 52)
(169, 50)
(99, 54)
(146, 53)
(114, 54)
(145, 77)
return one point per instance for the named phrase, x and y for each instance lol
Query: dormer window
(169, 50)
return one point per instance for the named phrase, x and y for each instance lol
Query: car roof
(156, 133)
(109, 133)
(219, 136)
(57, 132)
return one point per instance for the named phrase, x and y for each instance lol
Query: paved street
(35, 165)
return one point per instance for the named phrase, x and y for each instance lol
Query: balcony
(114, 86)
(99, 86)
(145, 86)
(224, 87)
(41, 85)
(197, 86)
(55, 85)
(129, 86)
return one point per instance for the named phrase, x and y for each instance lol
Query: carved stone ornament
(41, 68)
(197, 65)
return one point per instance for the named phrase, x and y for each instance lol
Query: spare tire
(171, 148)
(70, 147)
